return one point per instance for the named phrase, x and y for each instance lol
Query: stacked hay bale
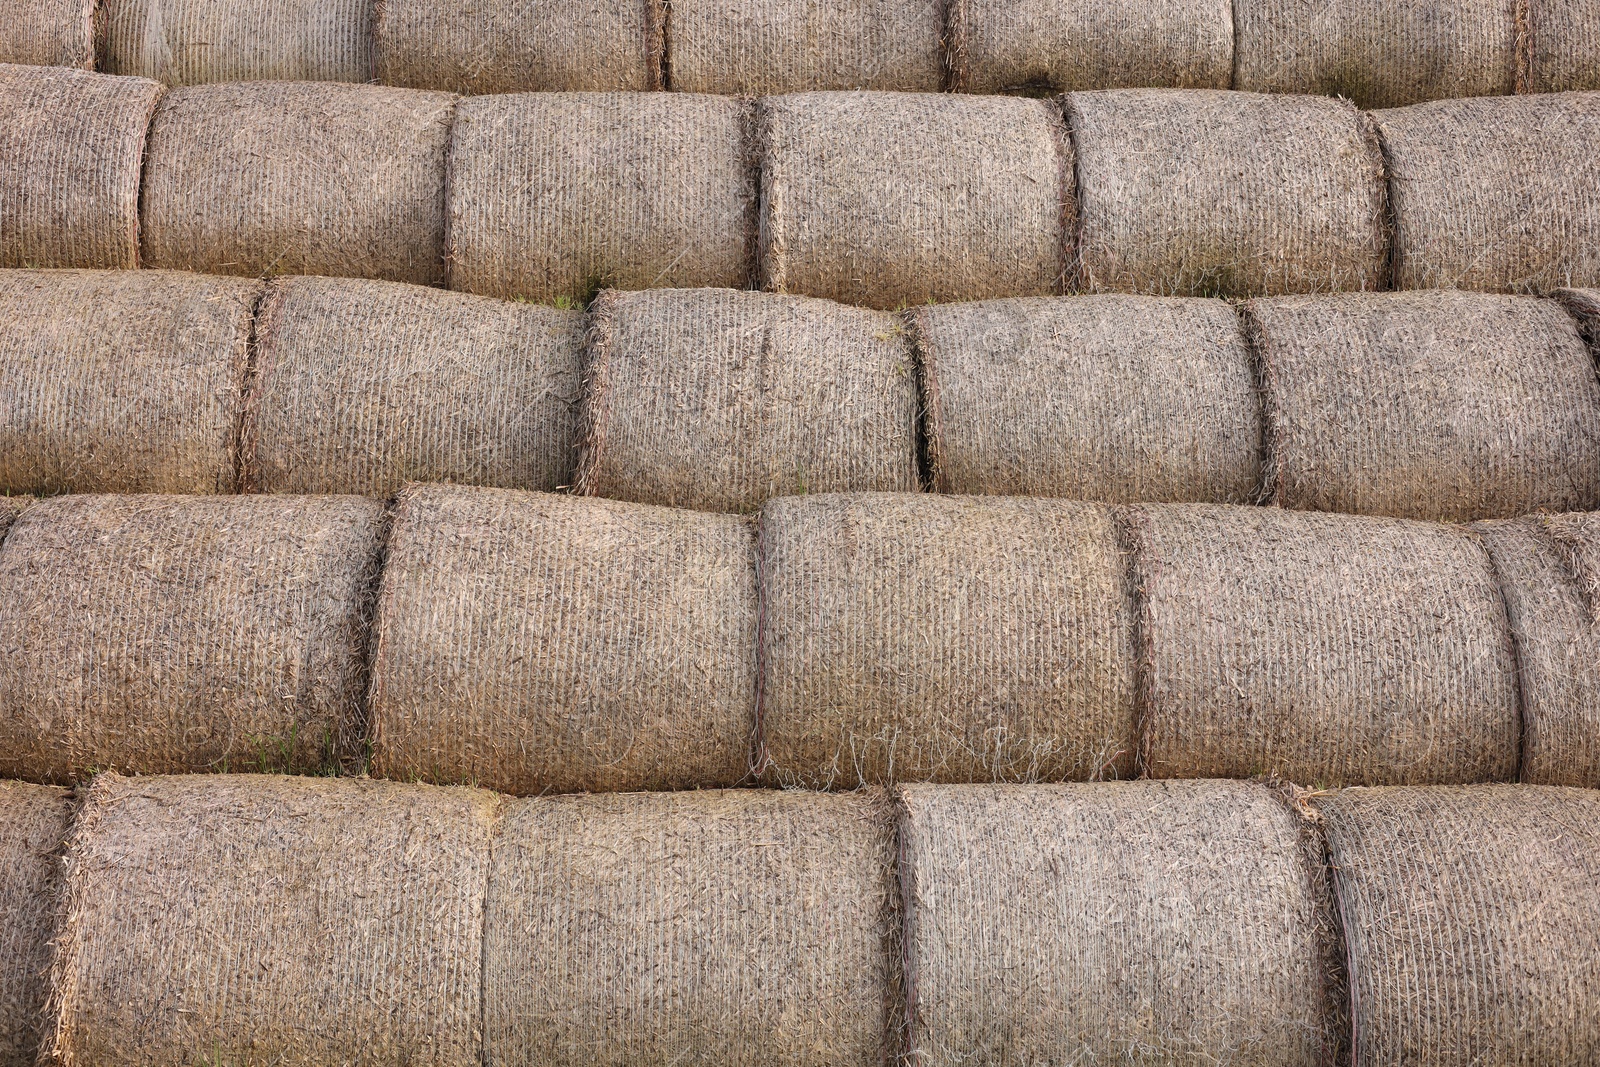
(49, 33)
(1562, 50)
(187, 42)
(33, 824)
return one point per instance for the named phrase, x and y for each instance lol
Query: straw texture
(10, 508)
(49, 33)
(1500, 193)
(296, 921)
(1437, 405)
(362, 386)
(944, 639)
(1141, 922)
(71, 144)
(698, 929)
(158, 633)
(717, 400)
(121, 381)
(188, 42)
(1584, 305)
(1323, 649)
(1208, 193)
(1472, 915)
(1563, 46)
(1114, 398)
(557, 195)
(33, 824)
(296, 177)
(889, 199)
(540, 643)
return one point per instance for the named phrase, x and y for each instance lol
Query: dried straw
(1584, 306)
(189, 42)
(33, 824)
(1563, 46)
(10, 508)
(49, 33)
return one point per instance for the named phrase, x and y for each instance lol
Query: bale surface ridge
(187, 42)
(33, 825)
(49, 33)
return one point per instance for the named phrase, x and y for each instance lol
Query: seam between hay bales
(355, 751)
(1125, 524)
(246, 446)
(769, 268)
(595, 397)
(55, 1047)
(930, 417)
(1516, 654)
(495, 819)
(379, 637)
(906, 878)
(1073, 280)
(1066, 193)
(143, 169)
(754, 159)
(448, 238)
(1333, 962)
(658, 44)
(954, 17)
(1522, 52)
(1265, 384)
(1388, 222)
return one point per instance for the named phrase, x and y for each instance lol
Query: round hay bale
(71, 144)
(1471, 916)
(1584, 306)
(1113, 398)
(717, 400)
(189, 42)
(1499, 193)
(299, 178)
(252, 919)
(361, 386)
(890, 199)
(537, 643)
(949, 639)
(121, 381)
(765, 47)
(554, 196)
(1431, 405)
(1028, 45)
(1130, 922)
(1207, 193)
(33, 825)
(508, 46)
(49, 33)
(743, 926)
(1562, 50)
(156, 634)
(1324, 649)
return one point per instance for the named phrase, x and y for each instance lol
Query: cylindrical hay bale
(49, 33)
(1563, 46)
(1019, 45)
(1325, 649)
(509, 46)
(767, 47)
(718, 400)
(1438, 405)
(1209, 193)
(1498, 193)
(188, 42)
(158, 633)
(537, 643)
(949, 639)
(362, 386)
(1148, 922)
(121, 381)
(889, 199)
(253, 919)
(1113, 398)
(700, 929)
(1471, 915)
(71, 144)
(33, 825)
(554, 196)
(299, 177)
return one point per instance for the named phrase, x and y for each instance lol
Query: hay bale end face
(121, 381)
(157, 634)
(955, 639)
(743, 926)
(33, 825)
(299, 178)
(891, 199)
(718, 400)
(251, 919)
(541, 643)
(1110, 398)
(189, 42)
(1563, 49)
(1208, 193)
(49, 33)
(1324, 649)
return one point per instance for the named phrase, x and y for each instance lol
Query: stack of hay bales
(48, 33)
(33, 825)
(187, 42)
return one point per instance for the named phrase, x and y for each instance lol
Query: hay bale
(361, 386)
(509, 46)
(717, 400)
(71, 144)
(296, 177)
(1324, 649)
(1206, 193)
(189, 42)
(1435, 405)
(744, 926)
(950, 639)
(1499, 193)
(777, 46)
(295, 921)
(1472, 916)
(10, 508)
(49, 33)
(540, 643)
(554, 196)
(1114, 398)
(33, 824)
(1139, 922)
(889, 199)
(1028, 45)
(121, 381)
(156, 634)
(1562, 50)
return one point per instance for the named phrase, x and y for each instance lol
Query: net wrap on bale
(187, 42)
(1562, 51)
(33, 825)
(49, 33)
